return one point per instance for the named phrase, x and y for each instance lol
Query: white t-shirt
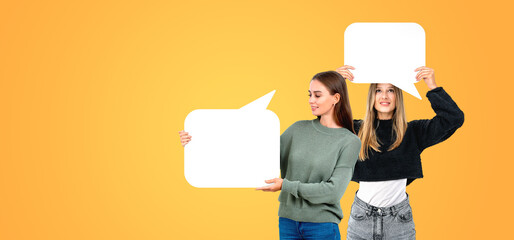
(383, 193)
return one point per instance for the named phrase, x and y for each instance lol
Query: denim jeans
(380, 223)
(290, 229)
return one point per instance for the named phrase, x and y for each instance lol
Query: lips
(385, 103)
(313, 108)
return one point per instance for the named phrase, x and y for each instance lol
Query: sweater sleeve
(448, 119)
(285, 145)
(332, 190)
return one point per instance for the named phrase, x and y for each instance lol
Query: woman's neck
(384, 116)
(328, 121)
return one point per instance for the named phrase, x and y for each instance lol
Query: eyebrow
(314, 91)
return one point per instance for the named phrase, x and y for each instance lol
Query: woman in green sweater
(317, 158)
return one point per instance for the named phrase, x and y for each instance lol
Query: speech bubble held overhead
(385, 53)
(233, 148)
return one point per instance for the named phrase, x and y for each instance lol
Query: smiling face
(385, 100)
(320, 99)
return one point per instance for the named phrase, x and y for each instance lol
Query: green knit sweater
(316, 164)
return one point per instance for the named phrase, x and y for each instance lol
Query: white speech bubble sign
(385, 53)
(233, 148)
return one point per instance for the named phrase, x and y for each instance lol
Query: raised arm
(447, 120)
(448, 117)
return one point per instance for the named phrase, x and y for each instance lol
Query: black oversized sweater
(405, 161)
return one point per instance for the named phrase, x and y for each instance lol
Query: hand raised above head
(426, 74)
(345, 72)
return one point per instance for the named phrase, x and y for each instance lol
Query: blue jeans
(290, 229)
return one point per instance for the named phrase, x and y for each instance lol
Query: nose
(311, 100)
(383, 96)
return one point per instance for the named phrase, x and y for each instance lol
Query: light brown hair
(335, 83)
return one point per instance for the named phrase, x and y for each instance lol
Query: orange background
(93, 93)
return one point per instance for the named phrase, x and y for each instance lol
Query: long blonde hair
(367, 131)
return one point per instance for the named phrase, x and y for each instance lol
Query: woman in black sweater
(390, 156)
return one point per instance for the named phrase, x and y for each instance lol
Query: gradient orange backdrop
(93, 93)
